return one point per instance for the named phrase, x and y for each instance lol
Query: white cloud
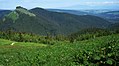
(101, 3)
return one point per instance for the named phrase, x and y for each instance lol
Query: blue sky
(61, 4)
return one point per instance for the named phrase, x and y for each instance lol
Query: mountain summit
(14, 15)
(41, 21)
(24, 10)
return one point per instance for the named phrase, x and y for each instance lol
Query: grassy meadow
(101, 51)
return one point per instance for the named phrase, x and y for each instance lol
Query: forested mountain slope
(41, 21)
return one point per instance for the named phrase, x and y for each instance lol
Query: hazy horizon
(57, 4)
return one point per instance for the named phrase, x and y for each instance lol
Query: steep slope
(24, 21)
(41, 21)
(69, 22)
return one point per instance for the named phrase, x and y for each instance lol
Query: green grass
(28, 44)
(92, 52)
(4, 42)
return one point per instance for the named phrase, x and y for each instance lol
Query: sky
(61, 4)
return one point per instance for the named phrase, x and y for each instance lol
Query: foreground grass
(4, 42)
(94, 52)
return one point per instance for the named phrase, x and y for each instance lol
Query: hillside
(66, 20)
(101, 51)
(21, 20)
(114, 26)
(41, 21)
(110, 15)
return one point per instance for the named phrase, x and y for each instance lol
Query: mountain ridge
(46, 21)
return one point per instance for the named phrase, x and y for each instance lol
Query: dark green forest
(41, 21)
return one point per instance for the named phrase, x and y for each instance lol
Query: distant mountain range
(93, 7)
(4, 12)
(76, 12)
(41, 21)
(110, 15)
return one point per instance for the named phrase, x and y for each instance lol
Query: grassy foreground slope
(101, 51)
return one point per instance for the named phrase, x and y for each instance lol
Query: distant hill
(110, 15)
(81, 12)
(4, 12)
(76, 12)
(41, 21)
